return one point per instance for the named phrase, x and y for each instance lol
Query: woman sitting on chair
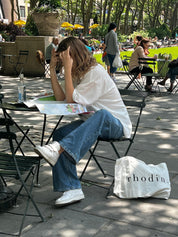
(86, 83)
(134, 66)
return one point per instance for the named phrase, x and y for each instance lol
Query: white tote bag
(117, 61)
(135, 179)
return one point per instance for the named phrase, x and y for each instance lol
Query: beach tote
(117, 61)
(135, 179)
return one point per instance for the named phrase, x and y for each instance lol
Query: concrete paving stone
(11, 221)
(156, 142)
(122, 229)
(68, 223)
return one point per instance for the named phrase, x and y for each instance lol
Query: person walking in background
(86, 83)
(51, 46)
(112, 47)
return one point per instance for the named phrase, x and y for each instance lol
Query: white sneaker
(49, 152)
(69, 197)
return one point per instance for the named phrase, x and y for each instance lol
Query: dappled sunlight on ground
(156, 141)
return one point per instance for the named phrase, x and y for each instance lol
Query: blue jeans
(76, 138)
(111, 59)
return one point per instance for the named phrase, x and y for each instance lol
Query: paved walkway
(95, 216)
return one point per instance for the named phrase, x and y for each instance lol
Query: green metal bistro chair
(132, 76)
(19, 167)
(132, 99)
(22, 168)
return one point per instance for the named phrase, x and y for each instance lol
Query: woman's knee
(102, 112)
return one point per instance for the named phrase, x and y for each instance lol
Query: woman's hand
(54, 59)
(66, 59)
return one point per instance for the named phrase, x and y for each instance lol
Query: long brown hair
(83, 59)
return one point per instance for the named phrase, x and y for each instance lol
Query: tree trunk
(119, 10)
(86, 9)
(109, 11)
(33, 4)
(127, 17)
(104, 11)
(12, 10)
(140, 15)
(18, 10)
(174, 19)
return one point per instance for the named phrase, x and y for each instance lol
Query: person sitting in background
(137, 41)
(172, 73)
(86, 44)
(51, 46)
(134, 66)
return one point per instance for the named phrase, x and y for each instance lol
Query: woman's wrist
(53, 68)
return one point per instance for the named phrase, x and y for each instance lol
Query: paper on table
(48, 105)
(60, 108)
(32, 103)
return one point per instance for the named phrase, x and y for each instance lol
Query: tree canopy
(129, 15)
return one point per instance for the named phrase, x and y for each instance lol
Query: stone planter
(48, 23)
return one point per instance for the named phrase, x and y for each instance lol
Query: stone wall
(10, 51)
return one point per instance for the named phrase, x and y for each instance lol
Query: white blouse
(98, 91)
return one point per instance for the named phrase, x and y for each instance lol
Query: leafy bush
(47, 5)
(160, 32)
(30, 27)
(100, 31)
(10, 31)
(143, 33)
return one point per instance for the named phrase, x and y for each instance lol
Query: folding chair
(139, 102)
(175, 87)
(19, 167)
(132, 76)
(41, 59)
(21, 61)
(155, 75)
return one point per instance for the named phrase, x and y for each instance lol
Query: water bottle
(21, 89)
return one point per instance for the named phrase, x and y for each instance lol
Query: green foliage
(174, 32)
(10, 31)
(143, 33)
(172, 51)
(160, 32)
(30, 27)
(163, 66)
(99, 31)
(122, 38)
(47, 5)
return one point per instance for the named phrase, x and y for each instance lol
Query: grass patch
(169, 50)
